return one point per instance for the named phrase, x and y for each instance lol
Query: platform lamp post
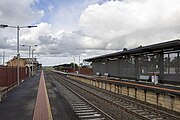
(79, 65)
(3, 57)
(29, 46)
(74, 64)
(32, 62)
(18, 54)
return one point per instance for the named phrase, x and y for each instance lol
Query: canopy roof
(155, 48)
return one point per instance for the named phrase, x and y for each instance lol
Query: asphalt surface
(20, 101)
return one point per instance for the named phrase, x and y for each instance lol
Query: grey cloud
(4, 43)
(122, 24)
(45, 40)
(19, 12)
(146, 37)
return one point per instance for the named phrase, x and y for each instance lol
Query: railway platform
(34, 99)
(171, 89)
(20, 101)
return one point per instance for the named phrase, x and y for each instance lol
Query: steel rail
(160, 112)
(84, 99)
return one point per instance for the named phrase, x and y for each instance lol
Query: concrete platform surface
(19, 103)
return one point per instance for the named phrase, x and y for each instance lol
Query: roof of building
(155, 48)
(64, 65)
(23, 59)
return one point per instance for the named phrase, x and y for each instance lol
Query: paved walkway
(27, 102)
(19, 103)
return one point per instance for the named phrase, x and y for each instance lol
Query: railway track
(129, 108)
(83, 108)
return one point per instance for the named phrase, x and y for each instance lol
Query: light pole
(32, 62)
(3, 57)
(74, 64)
(79, 65)
(29, 46)
(18, 54)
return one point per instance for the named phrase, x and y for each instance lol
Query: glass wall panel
(166, 63)
(173, 67)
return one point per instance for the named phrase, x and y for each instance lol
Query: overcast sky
(86, 28)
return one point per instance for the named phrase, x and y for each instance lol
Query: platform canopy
(155, 48)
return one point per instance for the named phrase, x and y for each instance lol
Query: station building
(160, 60)
(25, 62)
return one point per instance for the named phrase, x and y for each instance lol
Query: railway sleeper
(84, 111)
(78, 104)
(81, 106)
(158, 118)
(149, 116)
(86, 108)
(125, 105)
(87, 113)
(118, 102)
(153, 117)
(95, 119)
(139, 110)
(132, 108)
(90, 116)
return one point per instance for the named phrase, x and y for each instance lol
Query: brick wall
(87, 71)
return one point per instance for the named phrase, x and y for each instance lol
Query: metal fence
(8, 75)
